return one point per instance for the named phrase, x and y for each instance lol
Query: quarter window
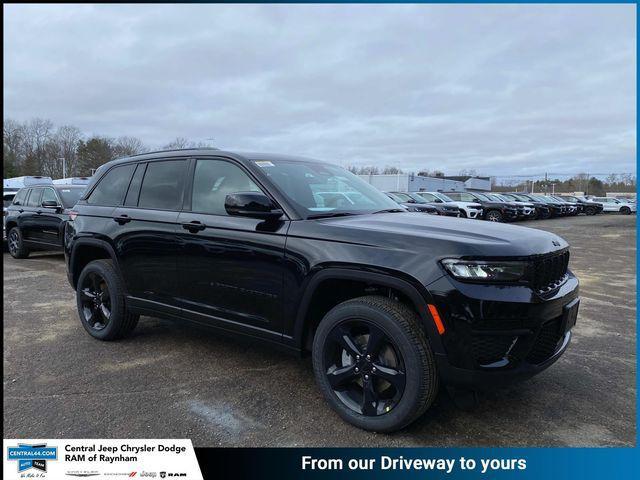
(20, 197)
(111, 189)
(163, 184)
(213, 180)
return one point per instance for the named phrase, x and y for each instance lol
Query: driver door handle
(122, 219)
(194, 226)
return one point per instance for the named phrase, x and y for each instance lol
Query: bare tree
(391, 170)
(126, 145)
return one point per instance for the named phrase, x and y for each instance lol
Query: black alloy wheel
(364, 367)
(16, 245)
(95, 301)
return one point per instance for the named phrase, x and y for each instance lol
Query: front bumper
(498, 334)
(474, 212)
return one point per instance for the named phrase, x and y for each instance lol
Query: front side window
(430, 198)
(163, 185)
(215, 179)
(34, 197)
(70, 196)
(112, 187)
(48, 195)
(319, 188)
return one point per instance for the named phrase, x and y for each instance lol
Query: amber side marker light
(436, 318)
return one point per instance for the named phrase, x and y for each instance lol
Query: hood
(439, 236)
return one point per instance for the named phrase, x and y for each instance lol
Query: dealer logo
(32, 456)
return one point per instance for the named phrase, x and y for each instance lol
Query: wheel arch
(306, 320)
(86, 250)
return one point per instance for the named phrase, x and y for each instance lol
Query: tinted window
(70, 196)
(112, 187)
(429, 198)
(34, 197)
(213, 181)
(7, 199)
(162, 185)
(48, 195)
(134, 188)
(20, 197)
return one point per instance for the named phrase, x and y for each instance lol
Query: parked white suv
(610, 204)
(467, 209)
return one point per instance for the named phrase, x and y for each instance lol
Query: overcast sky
(500, 89)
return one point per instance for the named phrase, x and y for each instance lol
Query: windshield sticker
(264, 163)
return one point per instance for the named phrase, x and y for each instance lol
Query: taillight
(73, 215)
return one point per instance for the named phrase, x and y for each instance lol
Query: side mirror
(50, 204)
(252, 205)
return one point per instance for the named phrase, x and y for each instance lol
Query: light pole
(64, 167)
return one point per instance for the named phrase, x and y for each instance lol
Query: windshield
(404, 197)
(483, 197)
(321, 188)
(442, 197)
(418, 198)
(70, 196)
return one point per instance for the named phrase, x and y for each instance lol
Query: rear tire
(15, 244)
(494, 216)
(100, 300)
(405, 382)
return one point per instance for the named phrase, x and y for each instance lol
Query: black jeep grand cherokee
(390, 304)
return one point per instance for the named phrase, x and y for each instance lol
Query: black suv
(428, 199)
(412, 206)
(493, 211)
(36, 218)
(390, 304)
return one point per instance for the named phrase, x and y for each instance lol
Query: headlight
(487, 271)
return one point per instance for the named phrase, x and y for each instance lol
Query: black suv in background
(390, 303)
(428, 199)
(543, 211)
(588, 207)
(493, 211)
(36, 218)
(412, 206)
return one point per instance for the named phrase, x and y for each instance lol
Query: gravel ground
(169, 381)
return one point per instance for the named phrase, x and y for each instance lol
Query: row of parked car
(508, 207)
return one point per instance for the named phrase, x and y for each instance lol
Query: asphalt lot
(169, 381)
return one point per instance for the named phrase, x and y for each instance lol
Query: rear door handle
(194, 226)
(122, 219)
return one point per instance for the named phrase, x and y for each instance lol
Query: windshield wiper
(331, 214)
(391, 210)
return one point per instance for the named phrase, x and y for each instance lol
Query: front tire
(15, 244)
(494, 216)
(373, 363)
(100, 300)
(625, 211)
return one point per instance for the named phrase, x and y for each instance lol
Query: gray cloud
(502, 89)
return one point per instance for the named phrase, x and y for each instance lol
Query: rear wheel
(494, 216)
(15, 243)
(100, 300)
(373, 363)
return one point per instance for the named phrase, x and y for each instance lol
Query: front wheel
(100, 300)
(373, 363)
(625, 211)
(494, 216)
(16, 245)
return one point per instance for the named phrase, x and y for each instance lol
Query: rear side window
(34, 197)
(163, 185)
(111, 189)
(20, 197)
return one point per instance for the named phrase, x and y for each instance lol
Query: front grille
(487, 349)
(546, 343)
(548, 272)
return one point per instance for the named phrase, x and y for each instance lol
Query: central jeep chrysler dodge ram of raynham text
(309, 257)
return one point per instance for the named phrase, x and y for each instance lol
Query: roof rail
(167, 151)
